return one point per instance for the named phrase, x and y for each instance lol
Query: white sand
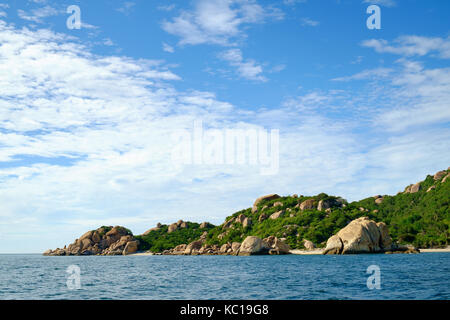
(299, 251)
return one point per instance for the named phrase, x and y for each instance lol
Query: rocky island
(419, 216)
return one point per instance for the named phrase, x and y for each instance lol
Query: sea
(291, 277)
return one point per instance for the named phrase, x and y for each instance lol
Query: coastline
(309, 252)
(447, 249)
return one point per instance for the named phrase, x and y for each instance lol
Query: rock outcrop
(413, 188)
(253, 246)
(276, 246)
(363, 236)
(308, 204)
(103, 241)
(267, 197)
(439, 175)
(359, 236)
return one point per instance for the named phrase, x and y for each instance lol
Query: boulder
(309, 245)
(413, 188)
(235, 247)
(204, 225)
(276, 215)
(172, 227)
(183, 225)
(334, 245)
(96, 238)
(360, 236)
(228, 223)
(247, 222)
(307, 204)
(85, 243)
(252, 246)
(262, 217)
(130, 247)
(276, 246)
(439, 175)
(267, 197)
(179, 249)
(193, 247)
(278, 204)
(87, 235)
(431, 188)
(379, 200)
(386, 240)
(445, 178)
(240, 218)
(224, 248)
(323, 205)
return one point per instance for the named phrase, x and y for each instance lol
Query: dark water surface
(415, 276)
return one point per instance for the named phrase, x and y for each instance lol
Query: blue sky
(86, 115)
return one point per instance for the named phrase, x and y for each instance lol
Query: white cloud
(168, 48)
(127, 7)
(217, 21)
(367, 74)
(247, 69)
(309, 22)
(412, 46)
(167, 7)
(37, 15)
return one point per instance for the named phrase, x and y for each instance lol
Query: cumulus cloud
(309, 22)
(247, 69)
(39, 14)
(217, 21)
(412, 45)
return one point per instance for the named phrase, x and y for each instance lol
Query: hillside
(419, 215)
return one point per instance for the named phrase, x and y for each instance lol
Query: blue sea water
(415, 276)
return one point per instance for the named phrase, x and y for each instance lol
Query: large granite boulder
(360, 236)
(308, 204)
(276, 215)
(253, 246)
(276, 246)
(130, 247)
(439, 175)
(267, 197)
(193, 247)
(413, 188)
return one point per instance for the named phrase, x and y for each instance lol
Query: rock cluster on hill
(250, 246)
(103, 241)
(363, 235)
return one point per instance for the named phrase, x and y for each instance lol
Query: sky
(88, 115)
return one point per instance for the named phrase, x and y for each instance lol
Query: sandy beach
(308, 252)
(447, 249)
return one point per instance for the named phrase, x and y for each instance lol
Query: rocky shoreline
(362, 235)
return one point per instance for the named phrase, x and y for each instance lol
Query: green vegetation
(160, 240)
(421, 218)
